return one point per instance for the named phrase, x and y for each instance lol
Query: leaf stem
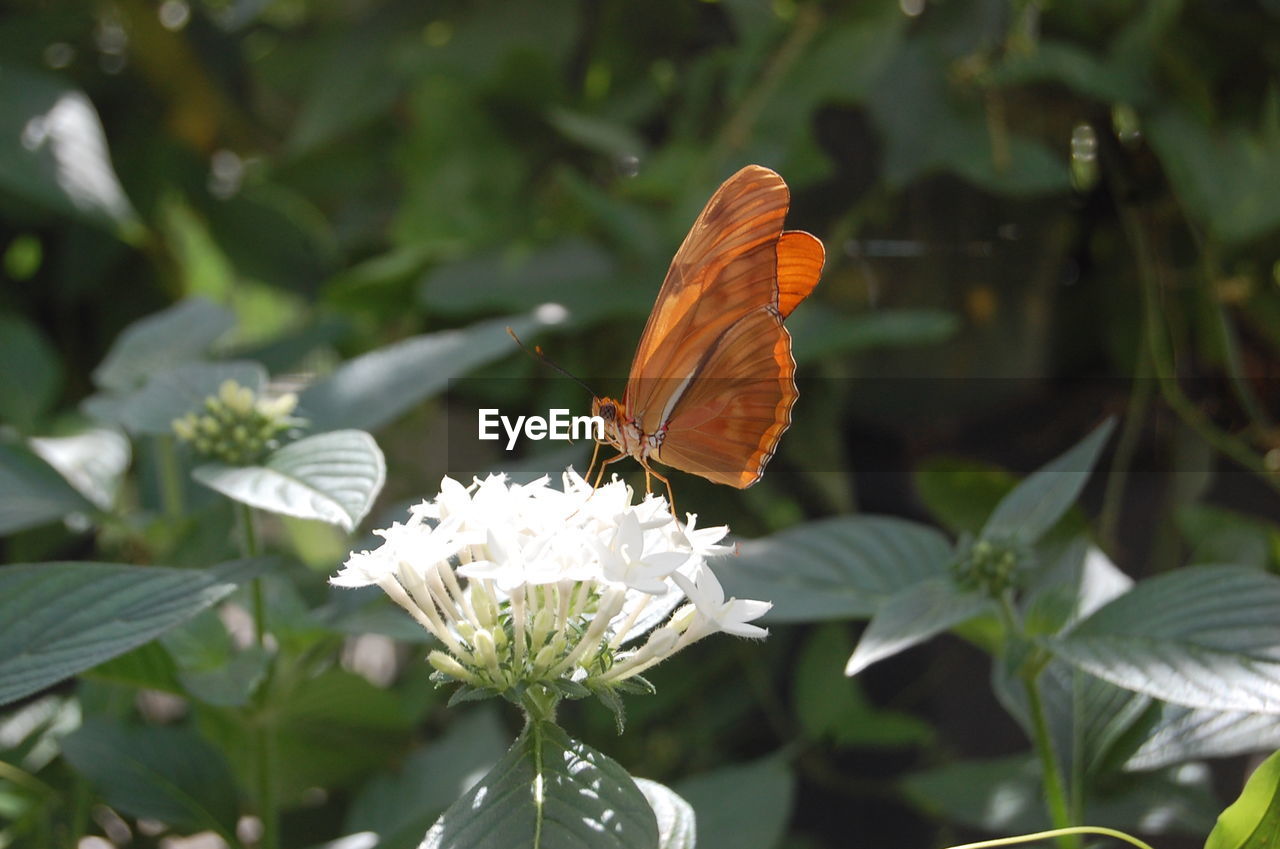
(265, 738)
(1055, 832)
(268, 802)
(249, 545)
(1126, 447)
(170, 476)
(1162, 357)
(1055, 793)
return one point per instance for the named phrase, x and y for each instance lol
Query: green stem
(265, 754)
(1056, 832)
(1055, 793)
(170, 474)
(737, 130)
(1161, 348)
(268, 801)
(81, 798)
(1126, 447)
(249, 545)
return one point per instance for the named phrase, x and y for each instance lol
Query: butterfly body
(712, 383)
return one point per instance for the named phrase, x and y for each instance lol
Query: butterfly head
(616, 423)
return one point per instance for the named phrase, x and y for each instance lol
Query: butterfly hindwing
(727, 421)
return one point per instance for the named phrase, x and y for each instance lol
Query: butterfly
(712, 382)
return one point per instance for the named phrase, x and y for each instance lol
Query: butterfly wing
(726, 422)
(800, 261)
(726, 268)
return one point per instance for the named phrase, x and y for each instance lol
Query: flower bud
(445, 663)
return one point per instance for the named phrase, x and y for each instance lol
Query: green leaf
(229, 685)
(1183, 734)
(599, 135)
(179, 334)
(30, 373)
(742, 807)
(1003, 795)
(53, 152)
(677, 824)
(912, 616)
(32, 493)
(831, 706)
(820, 334)
(1225, 536)
(912, 91)
(169, 774)
(1024, 515)
(329, 731)
(94, 462)
(1000, 795)
(333, 477)
(57, 619)
(1227, 178)
(835, 568)
(354, 80)
(148, 667)
(961, 493)
(1089, 719)
(171, 394)
(1253, 820)
(1201, 636)
(1073, 67)
(578, 275)
(375, 388)
(400, 807)
(549, 792)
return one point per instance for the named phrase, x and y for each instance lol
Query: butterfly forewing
(726, 268)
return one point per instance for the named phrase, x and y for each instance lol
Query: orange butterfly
(712, 383)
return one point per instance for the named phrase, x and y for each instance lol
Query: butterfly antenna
(537, 354)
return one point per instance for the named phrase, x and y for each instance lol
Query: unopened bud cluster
(237, 427)
(991, 566)
(529, 586)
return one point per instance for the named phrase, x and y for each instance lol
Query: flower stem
(170, 476)
(249, 545)
(264, 734)
(268, 803)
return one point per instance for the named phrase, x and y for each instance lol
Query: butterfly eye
(608, 412)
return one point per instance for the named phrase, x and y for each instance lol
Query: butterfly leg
(595, 453)
(671, 496)
(600, 473)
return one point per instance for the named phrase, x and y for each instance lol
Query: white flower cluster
(527, 585)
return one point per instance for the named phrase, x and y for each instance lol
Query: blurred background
(1035, 215)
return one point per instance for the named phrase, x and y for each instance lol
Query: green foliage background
(1035, 214)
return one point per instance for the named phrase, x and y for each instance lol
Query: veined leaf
(57, 619)
(549, 792)
(1201, 636)
(333, 477)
